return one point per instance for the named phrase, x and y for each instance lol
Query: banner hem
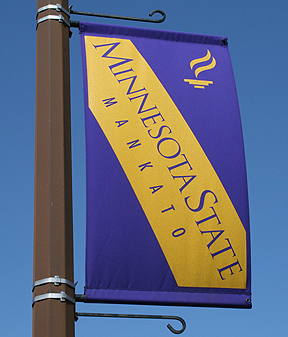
(168, 298)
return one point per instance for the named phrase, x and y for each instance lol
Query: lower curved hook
(180, 319)
(88, 314)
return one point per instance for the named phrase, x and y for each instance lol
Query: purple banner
(167, 204)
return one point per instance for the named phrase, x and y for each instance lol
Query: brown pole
(53, 228)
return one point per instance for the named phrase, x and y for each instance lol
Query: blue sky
(257, 34)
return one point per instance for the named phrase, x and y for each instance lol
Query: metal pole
(53, 229)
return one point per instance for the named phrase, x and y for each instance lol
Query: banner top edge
(98, 28)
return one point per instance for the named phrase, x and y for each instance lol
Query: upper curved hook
(158, 11)
(123, 17)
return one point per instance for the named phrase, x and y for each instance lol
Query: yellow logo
(200, 84)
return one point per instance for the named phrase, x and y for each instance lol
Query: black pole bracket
(76, 23)
(87, 314)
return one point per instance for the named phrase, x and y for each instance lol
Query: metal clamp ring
(57, 7)
(59, 17)
(56, 280)
(62, 296)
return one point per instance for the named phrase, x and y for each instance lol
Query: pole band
(57, 7)
(62, 296)
(59, 17)
(56, 280)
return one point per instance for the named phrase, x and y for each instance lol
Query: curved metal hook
(180, 319)
(123, 17)
(157, 11)
(89, 314)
